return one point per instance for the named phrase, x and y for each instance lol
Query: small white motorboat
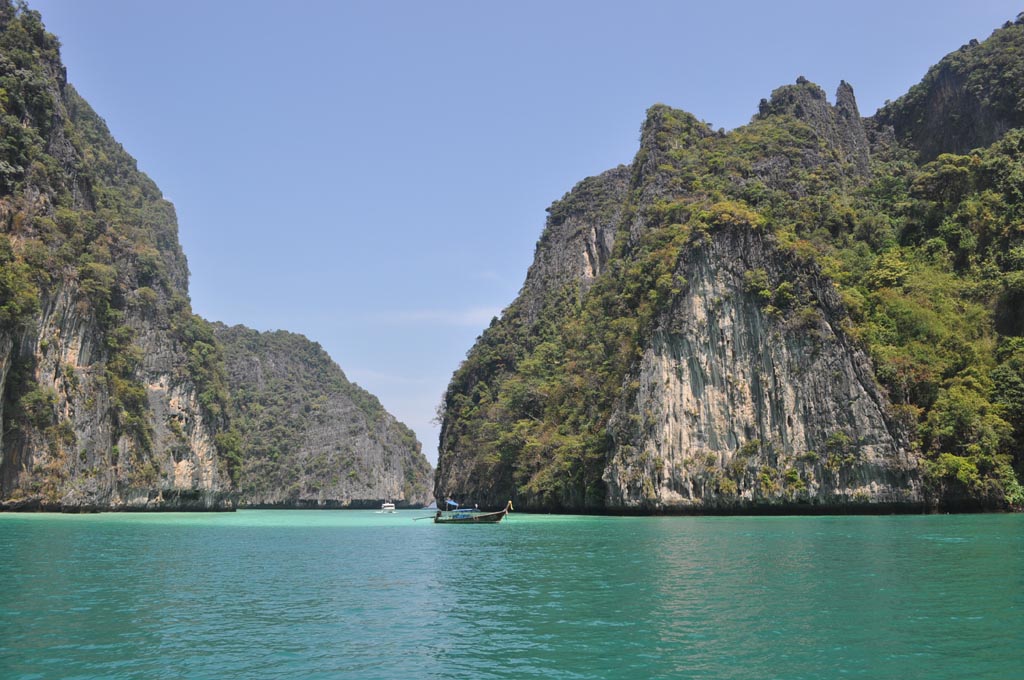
(387, 507)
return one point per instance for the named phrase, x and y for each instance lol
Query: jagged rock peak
(845, 98)
(665, 134)
(846, 104)
(804, 100)
(666, 129)
(840, 126)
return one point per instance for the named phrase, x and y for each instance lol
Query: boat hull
(457, 517)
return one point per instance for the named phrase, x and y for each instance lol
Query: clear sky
(374, 174)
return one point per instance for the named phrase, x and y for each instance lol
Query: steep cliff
(309, 437)
(743, 405)
(110, 390)
(802, 314)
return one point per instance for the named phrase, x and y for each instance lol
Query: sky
(375, 174)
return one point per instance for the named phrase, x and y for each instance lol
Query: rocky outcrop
(748, 406)
(309, 437)
(968, 100)
(839, 127)
(578, 240)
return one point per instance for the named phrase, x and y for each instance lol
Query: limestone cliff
(579, 239)
(744, 406)
(109, 395)
(309, 437)
(801, 315)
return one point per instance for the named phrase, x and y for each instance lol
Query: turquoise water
(353, 594)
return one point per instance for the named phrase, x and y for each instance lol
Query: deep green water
(352, 594)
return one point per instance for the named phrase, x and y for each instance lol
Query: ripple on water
(350, 594)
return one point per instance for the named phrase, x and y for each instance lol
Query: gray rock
(748, 408)
(839, 127)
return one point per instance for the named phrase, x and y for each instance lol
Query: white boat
(387, 507)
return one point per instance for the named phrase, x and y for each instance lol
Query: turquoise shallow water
(353, 594)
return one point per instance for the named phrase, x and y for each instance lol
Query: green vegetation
(19, 297)
(928, 258)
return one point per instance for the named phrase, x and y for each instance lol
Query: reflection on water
(357, 594)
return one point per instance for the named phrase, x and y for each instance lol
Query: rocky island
(814, 312)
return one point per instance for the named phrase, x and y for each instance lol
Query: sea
(358, 594)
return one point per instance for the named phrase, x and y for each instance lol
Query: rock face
(103, 406)
(578, 241)
(744, 406)
(310, 438)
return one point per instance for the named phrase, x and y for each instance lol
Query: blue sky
(374, 175)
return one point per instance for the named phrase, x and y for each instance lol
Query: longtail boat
(470, 515)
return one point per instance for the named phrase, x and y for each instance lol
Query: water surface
(347, 594)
